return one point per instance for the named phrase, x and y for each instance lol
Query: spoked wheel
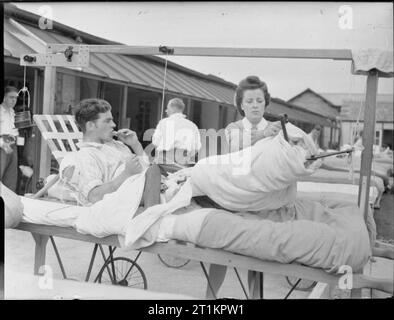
(173, 262)
(124, 272)
(303, 285)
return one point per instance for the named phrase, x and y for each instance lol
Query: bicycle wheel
(122, 271)
(303, 285)
(173, 262)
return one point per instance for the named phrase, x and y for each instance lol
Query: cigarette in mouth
(117, 133)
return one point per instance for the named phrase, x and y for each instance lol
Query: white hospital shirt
(176, 132)
(7, 121)
(96, 164)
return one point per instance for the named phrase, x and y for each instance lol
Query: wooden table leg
(39, 251)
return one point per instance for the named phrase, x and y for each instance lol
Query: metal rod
(209, 282)
(240, 281)
(329, 154)
(58, 257)
(106, 259)
(112, 262)
(283, 121)
(91, 262)
(135, 262)
(261, 283)
(292, 289)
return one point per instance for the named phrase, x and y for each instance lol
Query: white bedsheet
(306, 186)
(51, 213)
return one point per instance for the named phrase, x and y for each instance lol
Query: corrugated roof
(278, 106)
(24, 37)
(130, 69)
(310, 100)
(351, 110)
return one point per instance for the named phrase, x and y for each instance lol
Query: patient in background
(315, 135)
(103, 164)
(176, 138)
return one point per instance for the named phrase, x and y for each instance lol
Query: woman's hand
(272, 129)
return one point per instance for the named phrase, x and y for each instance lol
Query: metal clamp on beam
(167, 50)
(69, 58)
(29, 59)
(68, 53)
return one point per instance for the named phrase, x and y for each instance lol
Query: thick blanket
(259, 177)
(310, 233)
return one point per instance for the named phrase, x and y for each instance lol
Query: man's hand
(128, 137)
(272, 129)
(132, 166)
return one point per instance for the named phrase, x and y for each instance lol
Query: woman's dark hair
(250, 83)
(88, 110)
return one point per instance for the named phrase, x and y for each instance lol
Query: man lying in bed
(102, 163)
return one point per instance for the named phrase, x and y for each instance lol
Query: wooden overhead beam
(340, 54)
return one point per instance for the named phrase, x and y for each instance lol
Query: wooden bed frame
(55, 57)
(326, 281)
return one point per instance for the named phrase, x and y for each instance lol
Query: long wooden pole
(48, 108)
(340, 54)
(368, 139)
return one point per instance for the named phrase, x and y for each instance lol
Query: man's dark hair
(9, 89)
(88, 110)
(250, 83)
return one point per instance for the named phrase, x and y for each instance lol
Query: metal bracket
(69, 58)
(167, 50)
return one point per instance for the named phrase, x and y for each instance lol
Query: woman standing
(251, 99)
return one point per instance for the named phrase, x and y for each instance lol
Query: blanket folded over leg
(317, 236)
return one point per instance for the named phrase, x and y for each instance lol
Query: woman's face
(253, 104)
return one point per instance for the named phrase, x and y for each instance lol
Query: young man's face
(10, 99)
(103, 127)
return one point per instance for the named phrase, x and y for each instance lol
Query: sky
(244, 24)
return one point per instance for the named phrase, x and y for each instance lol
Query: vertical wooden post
(39, 251)
(159, 101)
(48, 108)
(188, 107)
(123, 123)
(368, 138)
(35, 131)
